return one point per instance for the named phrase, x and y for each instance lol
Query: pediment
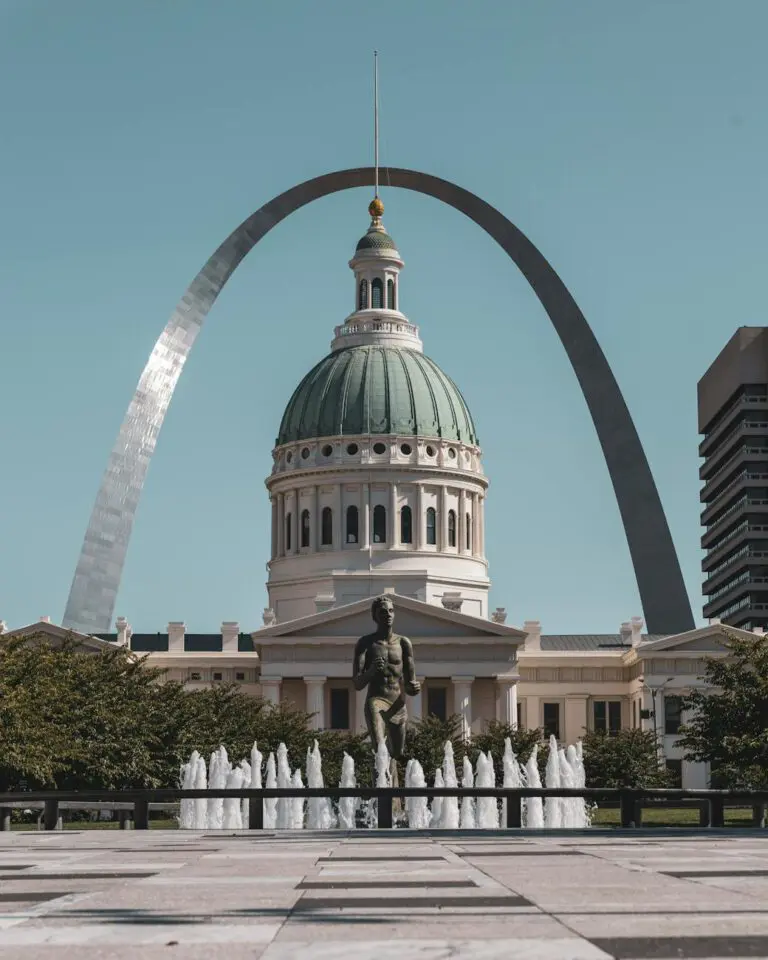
(710, 639)
(54, 634)
(413, 618)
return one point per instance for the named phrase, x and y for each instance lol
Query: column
(394, 532)
(575, 722)
(365, 518)
(442, 520)
(270, 690)
(316, 701)
(462, 524)
(314, 521)
(338, 520)
(296, 524)
(418, 520)
(273, 548)
(506, 702)
(462, 703)
(360, 695)
(415, 707)
(281, 524)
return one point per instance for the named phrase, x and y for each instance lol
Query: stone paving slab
(482, 896)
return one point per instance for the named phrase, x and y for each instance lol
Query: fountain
(565, 768)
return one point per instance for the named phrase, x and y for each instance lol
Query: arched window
(351, 524)
(287, 532)
(362, 303)
(469, 531)
(391, 295)
(326, 537)
(377, 294)
(451, 528)
(305, 528)
(406, 525)
(379, 524)
(431, 526)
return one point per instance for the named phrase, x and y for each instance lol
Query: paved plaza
(110, 894)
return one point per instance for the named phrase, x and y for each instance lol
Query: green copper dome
(375, 240)
(377, 390)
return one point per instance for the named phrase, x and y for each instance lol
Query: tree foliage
(628, 758)
(727, 723)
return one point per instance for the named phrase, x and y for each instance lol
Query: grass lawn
(684, 817)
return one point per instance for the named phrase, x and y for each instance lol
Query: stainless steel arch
(94, 589)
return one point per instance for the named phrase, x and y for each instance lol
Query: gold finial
(376, 208)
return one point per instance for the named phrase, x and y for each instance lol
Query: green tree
(628, 758)
(727, 723)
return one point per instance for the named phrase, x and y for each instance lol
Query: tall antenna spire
(376, 121)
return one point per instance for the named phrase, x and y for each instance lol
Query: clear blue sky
(628, 140)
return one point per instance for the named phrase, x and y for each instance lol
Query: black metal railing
(631, 801)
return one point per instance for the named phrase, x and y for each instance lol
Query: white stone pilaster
(296, 525)
(418, 520)
(338, 520)
(462, 703)
(316, 701)
(364, 533)
(281, 525)
(270, 689)
(461, 526)
(442, 519)
(314, 521)
(481, 523)
(273, 548)
(394, 533)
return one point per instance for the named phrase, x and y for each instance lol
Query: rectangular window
(437, 702)
(606, 715)
(519, 715)
(672, 714)
(239, 676)
(675, 771)
(217, 676)
(552, 720)
(599, 716)
(340, 709)
(194, 676)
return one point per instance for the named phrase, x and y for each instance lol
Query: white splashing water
(553, 809)
(534, 808)
(284, 804)
(436, 814)
(487, 807)
(187, 807)
(319, 809)
(565, 768)
(467, 819)
(449, 818)
(348, 805)
(270, 806)
(416, 808)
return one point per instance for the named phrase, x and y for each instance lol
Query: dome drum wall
(364, 450)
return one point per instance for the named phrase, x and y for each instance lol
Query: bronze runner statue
(385, 664)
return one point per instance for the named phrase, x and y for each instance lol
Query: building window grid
(551, 717)
(451, 528)
(406, 525)
(377, 294)
(305, 528)
(362, 303)
(379, 524)
(672, 714)
(339, 702)
(437, 702)
(606, 716)
(352, 525)
(288, 531)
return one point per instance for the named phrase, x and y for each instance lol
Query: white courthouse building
(377, 486)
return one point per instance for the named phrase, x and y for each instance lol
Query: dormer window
(377, 294)
(362, 303)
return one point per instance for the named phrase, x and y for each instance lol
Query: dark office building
(733, 417)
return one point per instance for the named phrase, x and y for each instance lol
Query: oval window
(305, 453)
(327, 450)
(452, 453)
(405, 449)
(352, 449)
(430, 451)
(379, 448)
(289, 457)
